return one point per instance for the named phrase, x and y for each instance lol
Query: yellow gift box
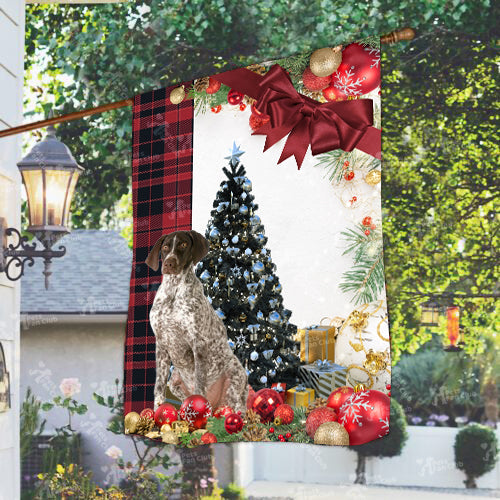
(299, 396)
(317, 342)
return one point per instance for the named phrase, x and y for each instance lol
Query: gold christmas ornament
(249, 101)
(373, 178)
(131, 420)
(177, 95)
(325, 61)
(358, 320)
(165, 428)
(277, 421)
(375, 362)
(153, 435)
(359, 388)
(242, 317)
(332, 434)
(170, 437)
(180, 427)
(268, 336)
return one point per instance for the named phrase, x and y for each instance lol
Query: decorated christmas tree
(239, 278)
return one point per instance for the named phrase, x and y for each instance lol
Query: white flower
(114, 452)
(70, 386)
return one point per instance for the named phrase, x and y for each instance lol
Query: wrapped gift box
(317, 342)
(279, 387)
(299, 396)
(323, 376)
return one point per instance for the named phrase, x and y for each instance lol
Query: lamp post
(50, 173)
(429, 315)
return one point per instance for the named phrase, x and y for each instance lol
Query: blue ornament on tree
(247, 185)
(248, 251)
(268, 354)
(255, 220)
(274, 318)
(205, 275)
(216, 284)
(225, 242)
(254, 356)
(258, 267)
(252, 287)
(214, 233)
(243, 210)
(252, 300)
(263, 379)
(235, 239)
(260, 315)
(246, 275)
(220, 313)
(272, 373)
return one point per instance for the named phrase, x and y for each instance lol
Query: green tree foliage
(438, 107)
(476, 452)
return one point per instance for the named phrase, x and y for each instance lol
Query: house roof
(92, 278)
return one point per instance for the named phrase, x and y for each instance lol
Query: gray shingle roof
(93, 277)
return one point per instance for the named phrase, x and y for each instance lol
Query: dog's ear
(200, 246)
(153, 257)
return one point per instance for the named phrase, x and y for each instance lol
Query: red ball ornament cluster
(223, 411)
(234, 97)
(208, 438)
(265, 403)
(233, 423)
(365, 416)
(148, 413)
(195, 410)
(285, 413)
(165, 414)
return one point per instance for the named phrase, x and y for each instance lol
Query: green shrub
(233, 492)
(476, 452)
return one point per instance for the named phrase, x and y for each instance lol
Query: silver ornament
(243, 209)
(254, 356)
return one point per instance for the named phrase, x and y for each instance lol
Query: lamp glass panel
(71, 192)
(33, 183)
(55, 194)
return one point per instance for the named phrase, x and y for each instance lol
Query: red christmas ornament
(313, 82)
(208, 438)
(265, 403)
(213, 86)
(349, 176)
(285, 412)
(271, 430)
(148, 413)
(243, 106)
(338, 397)
(359, 72)
(332, 93)
(367, 232)
(367, 221)
(216, 109)
(257, 121)
(317, 417)
(165, 414)
(223, 411)
(365, 416)
(234, 97)
(195, 410)
(388, 387)
(233, 423)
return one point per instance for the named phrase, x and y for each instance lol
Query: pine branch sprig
(295, 65)
(204, 102)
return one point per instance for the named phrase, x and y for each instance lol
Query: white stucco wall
(11, 88)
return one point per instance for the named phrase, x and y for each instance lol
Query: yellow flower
(40, 476)
(70, 468)
(60, 469)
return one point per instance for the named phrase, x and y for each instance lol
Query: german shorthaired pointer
(188, 332)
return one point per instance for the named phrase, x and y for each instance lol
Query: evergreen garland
(203, 101)
(366, 278)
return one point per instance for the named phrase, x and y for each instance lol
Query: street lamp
(453, 328)
(429, 315)
(50, 173)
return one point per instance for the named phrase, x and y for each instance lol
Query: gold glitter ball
(177, 95)
(332, 434)
(373, 178)
(325, 61)
(268, 336)
(242, 317)
(170, 437)
(131, 420)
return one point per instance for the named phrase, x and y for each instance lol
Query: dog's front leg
(162, 372)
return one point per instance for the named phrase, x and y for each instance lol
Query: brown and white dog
(188, 332)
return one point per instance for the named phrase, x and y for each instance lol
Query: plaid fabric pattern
(162, 172)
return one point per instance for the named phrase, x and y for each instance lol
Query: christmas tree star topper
(234, 154)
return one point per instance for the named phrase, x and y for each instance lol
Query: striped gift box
(323, 376)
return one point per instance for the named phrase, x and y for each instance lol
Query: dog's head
(177, 251)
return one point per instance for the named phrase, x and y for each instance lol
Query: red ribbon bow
(324, 126)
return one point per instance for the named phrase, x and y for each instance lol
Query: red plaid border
(162, 172)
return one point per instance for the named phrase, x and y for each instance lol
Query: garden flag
(257, 298)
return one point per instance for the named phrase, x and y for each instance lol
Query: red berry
(271, 429)
(388, 387)
(373, 226)
(313, 82)
(346, 163)
(349, 176)
(367, 221)
(389, 393)
(281, 436)
(216, 109)
(288, 435)
(243, 106)
(367, 232)
(213, 86)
